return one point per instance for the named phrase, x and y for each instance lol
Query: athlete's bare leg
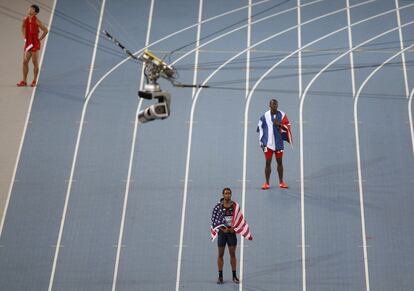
(220, 261)
(26, 59)
(280, 169)
(233, 259)
(35, 60)
(268, 170)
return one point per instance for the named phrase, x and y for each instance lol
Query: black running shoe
(236, 280)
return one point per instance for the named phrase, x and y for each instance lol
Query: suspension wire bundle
(235, 65)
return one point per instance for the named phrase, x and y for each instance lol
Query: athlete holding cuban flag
(274, 129)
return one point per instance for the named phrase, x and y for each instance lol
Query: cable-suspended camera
(154, 69)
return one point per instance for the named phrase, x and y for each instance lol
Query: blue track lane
(151, 233)
(33, 218)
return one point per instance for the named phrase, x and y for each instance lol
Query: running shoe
(33, 84)
(265, 186)
(220, 280)
(21, 84)
(283, 185)
(236, 280)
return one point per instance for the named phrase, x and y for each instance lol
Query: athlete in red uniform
(30, 31)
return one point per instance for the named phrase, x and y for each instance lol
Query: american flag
(239, 224)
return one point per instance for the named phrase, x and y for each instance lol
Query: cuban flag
(239, 224)
(273, 136)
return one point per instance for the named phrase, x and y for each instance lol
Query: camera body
(159, 110)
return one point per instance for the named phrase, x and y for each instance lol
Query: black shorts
(229, 238)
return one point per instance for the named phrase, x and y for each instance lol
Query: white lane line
(244, 26)
(299, 16)
(407, 90)
(29, 110)
(197, 52)
(189, 143)
(244, 181)
(301, 128)
(164, 38)
(72, 171)
(249, 40)
(187, 166)
(410, 117)
(351, 55)
(302, 197)
(131, 160)
(98, 32)
(361, 195)
(301, 115)
(191, 122)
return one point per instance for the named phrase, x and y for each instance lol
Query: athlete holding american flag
(274, 129)
(227, 220)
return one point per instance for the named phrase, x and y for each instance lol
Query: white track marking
(249, 40)
(98, 32)
(407, 90)
(197, 52)
(299, 16)
(189, 144)
(410, 117)
(361, 195)
(70, 181)
(164, 38)
(351, 55)
(301, 131)
(29, 110)
(244, 26)
(302, 99)
(184, 205)
(302, 198)
(131, 160)
(241, 261)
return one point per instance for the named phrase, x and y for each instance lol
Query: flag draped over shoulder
(239, 224)
(285, 129)
(268, 131)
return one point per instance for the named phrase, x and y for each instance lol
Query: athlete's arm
(43, 28)
(23, 32)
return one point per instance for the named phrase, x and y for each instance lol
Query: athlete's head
(273, 104)
(227, 194)
(33, 10)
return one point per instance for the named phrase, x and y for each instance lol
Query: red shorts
(269, 153)
(32, 44)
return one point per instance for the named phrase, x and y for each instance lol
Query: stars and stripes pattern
(239, 224)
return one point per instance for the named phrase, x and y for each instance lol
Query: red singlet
(31, 30)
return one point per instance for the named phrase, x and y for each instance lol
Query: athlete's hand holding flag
(239, 224)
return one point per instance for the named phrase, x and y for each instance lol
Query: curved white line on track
(189, 143)
(359, 158)
(72, 171)
(164, 38)
(241, 261)
(244, 26)
(184, 206)
(357, 142)
(98, 32)
(410, 117)
(299, 16)
(404, 66)
(197, 52)
(351, 55)
(131, 160)
(29, 111)
(303, 243)
(302, 99)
